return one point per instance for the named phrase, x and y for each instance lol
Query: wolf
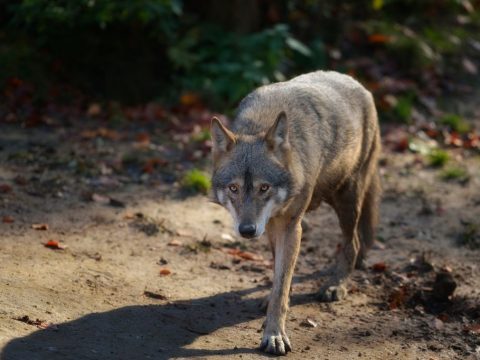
(291, 146)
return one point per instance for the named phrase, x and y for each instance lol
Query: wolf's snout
(247, 230)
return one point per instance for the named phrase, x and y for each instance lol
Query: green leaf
(377, 4)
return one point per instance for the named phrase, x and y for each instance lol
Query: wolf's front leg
(287, 237)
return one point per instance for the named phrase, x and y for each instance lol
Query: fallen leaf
(473, 328)
(189, 99)
(397, 298)
(309, 323)
(41, 324)
(227, 237)
(5, 188)
(94, 109)
(106, 200)
(155, 296)
(152, 164)
(40, 226)
(175, 242)
(20, 180)
(8, 219)
(143, 138)
(54, 244)
(101, 132)
(246, 255)
(129, 216)
(378, 39)
(379, 267)
(102, 199)
(184, 233)
(165, 272)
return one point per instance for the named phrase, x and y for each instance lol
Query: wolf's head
(251, 177)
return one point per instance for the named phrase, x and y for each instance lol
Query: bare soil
(103, 296)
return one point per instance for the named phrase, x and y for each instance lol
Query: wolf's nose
(247, 230)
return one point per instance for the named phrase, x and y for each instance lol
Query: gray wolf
(291, 146)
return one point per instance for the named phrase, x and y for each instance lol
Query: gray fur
(311, 139)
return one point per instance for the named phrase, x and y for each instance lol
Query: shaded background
(71, 51)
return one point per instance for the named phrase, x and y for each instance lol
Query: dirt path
(102, 297)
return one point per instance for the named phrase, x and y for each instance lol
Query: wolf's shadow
(144, 332)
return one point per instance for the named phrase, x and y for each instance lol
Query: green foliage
(102, 47)
(438, 158)
(455, 174)
(202, 136)
(139, 50)
(196, 181)
(456, 123)
(226, 66)
(403, 108)
(43, 16)
(470, 236)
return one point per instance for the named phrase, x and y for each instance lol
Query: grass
(403, 108)
(455, 174)
(438, 158)
(201, 136)
(196, 181)
(456, 123)
(470, 236)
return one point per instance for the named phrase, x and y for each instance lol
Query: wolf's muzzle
(247, 230)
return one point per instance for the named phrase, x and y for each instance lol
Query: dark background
(133, 52)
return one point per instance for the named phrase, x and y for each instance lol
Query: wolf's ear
(277, 135)
(222, 138)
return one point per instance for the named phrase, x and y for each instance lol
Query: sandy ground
(103, 296)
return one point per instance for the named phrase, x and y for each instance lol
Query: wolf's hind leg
(347, 205)
(368, 219)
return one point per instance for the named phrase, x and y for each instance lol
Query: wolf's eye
(233, 188)
(264, 187)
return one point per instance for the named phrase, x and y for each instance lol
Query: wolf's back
(319, 95)
(332, 118)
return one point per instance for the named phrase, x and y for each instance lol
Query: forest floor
(136, 269)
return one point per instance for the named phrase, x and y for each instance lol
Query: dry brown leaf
(54, 244)
(41, 324)
(245, 255)
(94, 109)
(5, 188)
(155, 296)
(397, 298)
(165, 271)
(143, 138)
(40, 226)
(379, 267)
(184, 233)
(378, 39)
(473, 328)
(175, 242)
(8, 219)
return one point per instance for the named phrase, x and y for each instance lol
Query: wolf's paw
(275, 342)
(329, 293)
